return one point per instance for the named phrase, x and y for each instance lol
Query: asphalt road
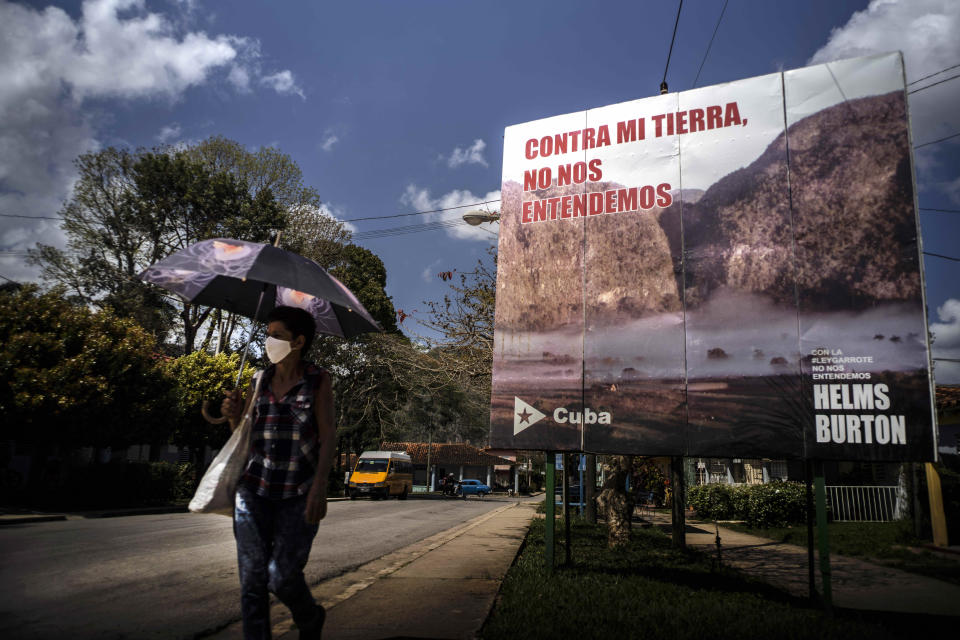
(175, 575)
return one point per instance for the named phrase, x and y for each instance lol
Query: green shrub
(712, 501)
(123, 484)
(774, 504)
(741, 502)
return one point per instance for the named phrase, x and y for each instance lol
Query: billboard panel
(728, 271)
(633, 341)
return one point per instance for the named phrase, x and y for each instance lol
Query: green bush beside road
(113, 485)
(648, 589)
(759, 505)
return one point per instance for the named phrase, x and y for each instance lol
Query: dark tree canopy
(73, 377)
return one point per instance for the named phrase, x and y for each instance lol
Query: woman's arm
(327, 435)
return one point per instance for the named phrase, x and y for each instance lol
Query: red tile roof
(446, 453)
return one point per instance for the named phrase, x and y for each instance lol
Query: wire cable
(932, 74)
(14, 215)
(395, 215)
(940, 210)
(672, 39)
(707, 52)
(420, 213)
(936, 141)
(933, 84)
(940, 255)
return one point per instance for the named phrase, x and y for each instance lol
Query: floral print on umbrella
(321, 310)
(189, 270)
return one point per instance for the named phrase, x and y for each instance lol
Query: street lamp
(476, 218)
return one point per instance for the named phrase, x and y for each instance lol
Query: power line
(663, 85)
(940, 210)
(936, 141)
(13, 215)
(932, 74)
(395, 215)
(933, 84)
(707, 52)
(413, 228)
(938, 255)
(420, 213)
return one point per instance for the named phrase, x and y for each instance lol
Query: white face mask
(276, 349)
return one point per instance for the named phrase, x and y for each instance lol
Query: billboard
(728, 271)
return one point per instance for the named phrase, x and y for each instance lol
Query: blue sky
(396, 107)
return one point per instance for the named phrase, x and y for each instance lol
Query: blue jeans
(273, 544)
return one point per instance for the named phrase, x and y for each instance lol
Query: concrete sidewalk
(443, 586)
(856, 584)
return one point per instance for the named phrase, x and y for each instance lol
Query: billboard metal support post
(591, 489)
(581, 466)
(566, 509)
(823, 534)
(549, 499)
(811, 515)
(679, 503)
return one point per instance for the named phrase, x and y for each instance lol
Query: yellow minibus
(381, 474)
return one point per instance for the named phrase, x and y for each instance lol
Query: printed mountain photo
(716, 323)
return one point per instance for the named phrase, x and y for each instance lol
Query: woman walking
(282, 495)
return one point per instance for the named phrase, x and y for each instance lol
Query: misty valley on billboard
(733, 270)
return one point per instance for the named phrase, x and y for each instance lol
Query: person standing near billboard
(282, 495)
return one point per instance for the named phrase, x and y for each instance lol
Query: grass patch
(648, 589)
(886, 543)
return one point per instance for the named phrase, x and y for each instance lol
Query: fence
(863, 504)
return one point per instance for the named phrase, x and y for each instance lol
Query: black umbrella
(251, 278)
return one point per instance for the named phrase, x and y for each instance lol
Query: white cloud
(52, 64)
(329, 139)
(421, 200)
(471, 155)
(947, 342)
(283, 82)
(168, 133)
(428, 274)
(337, 213)
(926, 32)
(952, 189)
(239, 77)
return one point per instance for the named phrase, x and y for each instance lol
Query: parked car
(472, 487)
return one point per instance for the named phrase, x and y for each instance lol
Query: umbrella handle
(205, 412)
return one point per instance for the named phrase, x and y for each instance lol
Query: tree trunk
(615, 502)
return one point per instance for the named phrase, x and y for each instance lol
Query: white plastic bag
(218, 487)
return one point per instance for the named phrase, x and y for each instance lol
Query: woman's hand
(316, 504)
(232, 407)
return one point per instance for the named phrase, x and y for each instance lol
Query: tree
(363, 273)
(310, 232)
(200, 377)
(129, 210)
(76, 377)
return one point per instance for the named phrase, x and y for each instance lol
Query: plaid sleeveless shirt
(284, 439)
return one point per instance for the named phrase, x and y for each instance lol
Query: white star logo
(524, 415)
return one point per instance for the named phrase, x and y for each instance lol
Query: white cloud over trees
(422, 200)
(53, 64)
